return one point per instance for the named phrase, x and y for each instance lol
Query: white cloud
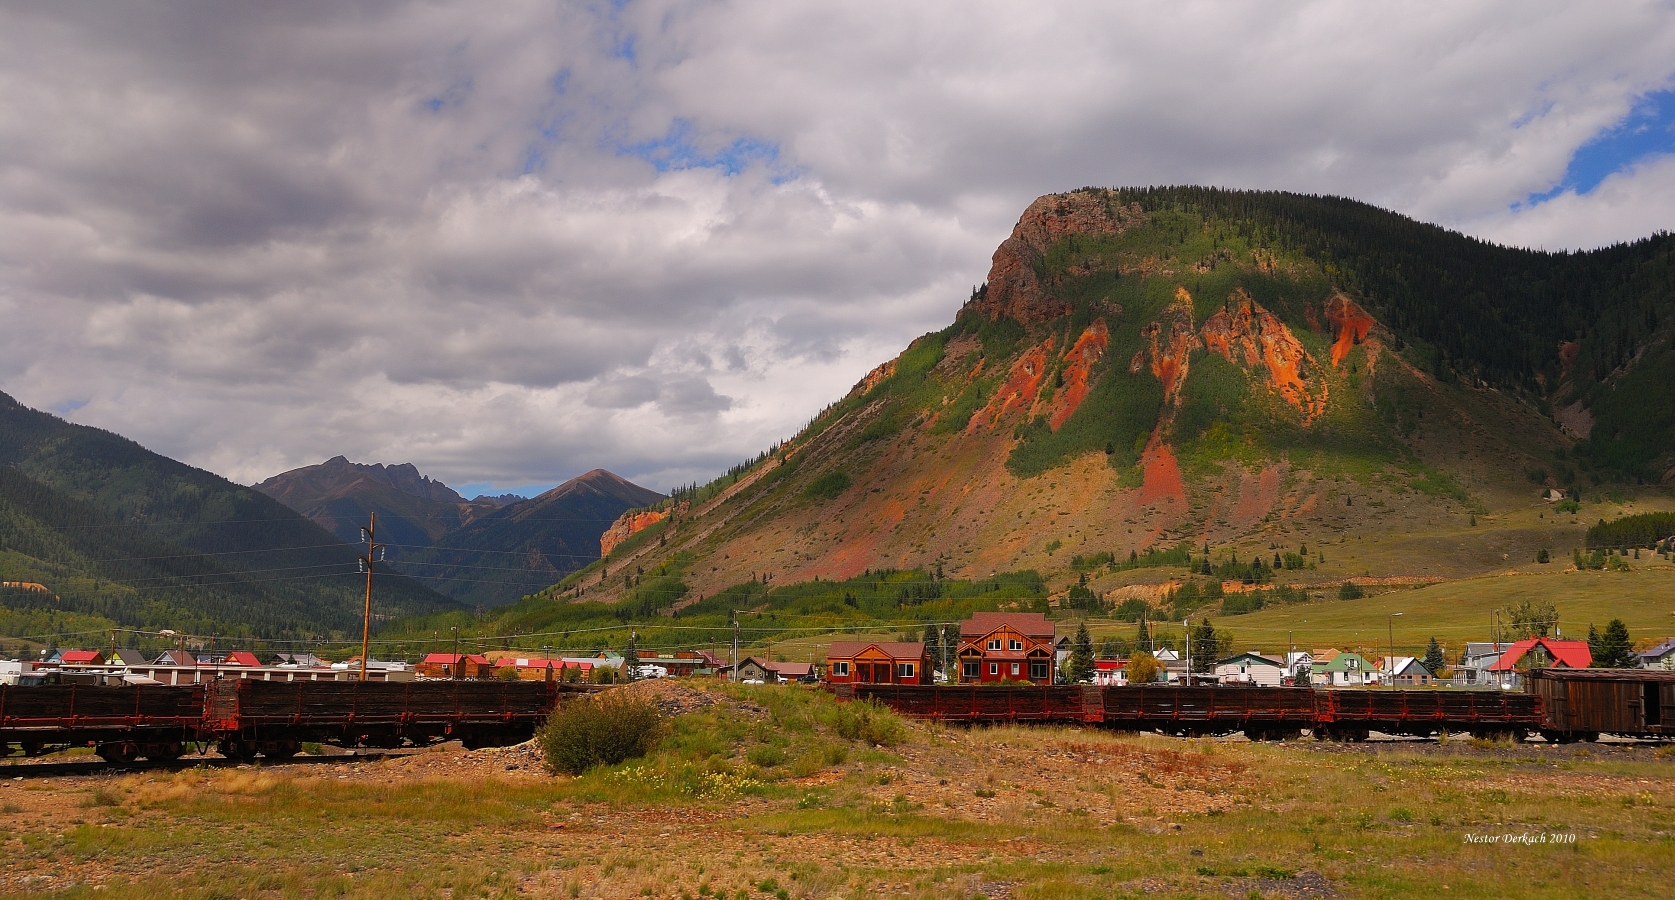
(510, 242)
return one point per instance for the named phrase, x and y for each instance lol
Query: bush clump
(868, 720)
(599, 731)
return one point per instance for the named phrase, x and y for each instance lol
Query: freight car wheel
(236, 749)
(281, 749)
(118, 752)
(32, 748)
(164, 752)
(1590, 736)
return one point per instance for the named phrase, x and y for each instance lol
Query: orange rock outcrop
(1080, 359)
(1023, 384)
(873, 379)
(1248, 335)
(1350, 325)
(1172, 340)
(627, 525)
(1014, 286)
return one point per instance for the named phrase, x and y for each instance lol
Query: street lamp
(1390, 632)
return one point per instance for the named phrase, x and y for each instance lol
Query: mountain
(1204, 378)
(127, 536)
(513, 551)
(340, 496)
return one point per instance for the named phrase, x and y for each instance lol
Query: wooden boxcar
(123, 723)
(275, 718)
(1582, 704)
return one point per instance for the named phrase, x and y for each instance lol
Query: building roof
(892, 649)
(1034, 625)
(81, 656)
(176, 658)
(1250, 658)
(1569, 654)
(1660, 651)
(1109, 665)
(241, 658)
(1341, 663)
(793, 669)
(450, 659)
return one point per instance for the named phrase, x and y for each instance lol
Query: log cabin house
(878, 662)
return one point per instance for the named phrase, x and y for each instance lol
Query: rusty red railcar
(123, 723)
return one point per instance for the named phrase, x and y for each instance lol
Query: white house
(1250, 668)
(1660, 657)
(1298, 665)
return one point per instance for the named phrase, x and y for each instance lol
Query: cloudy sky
(512, 241)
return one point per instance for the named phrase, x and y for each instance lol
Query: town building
(1661, 657)
(1250, 667)
(1343, 669)
(1405, 671)
(878, 662)
(455, 665)
(996, 647)
(1538, 653)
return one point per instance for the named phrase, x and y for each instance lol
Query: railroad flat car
(122, 723)
(1351, 715)
(275, 718)
(1582, 704)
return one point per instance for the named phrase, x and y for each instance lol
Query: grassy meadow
(775, 792)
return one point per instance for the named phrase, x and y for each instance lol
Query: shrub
(867, 720)
(827, 486)
(599, 731)
(1349, 590)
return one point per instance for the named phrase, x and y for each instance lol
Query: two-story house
(997, 647)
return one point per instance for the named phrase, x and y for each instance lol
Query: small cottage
(1250, 667)
(878, 662)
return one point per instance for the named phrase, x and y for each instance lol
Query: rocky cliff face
(633, 522)
(1015, 287)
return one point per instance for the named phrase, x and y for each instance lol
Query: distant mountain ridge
(340, 496)
(130, 537)
(505, 554)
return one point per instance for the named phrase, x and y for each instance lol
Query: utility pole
(947, 676)
(632, 657)
(374, 553)
(1186, 627)
(454, 669)
(735, 645)
(1390, 633)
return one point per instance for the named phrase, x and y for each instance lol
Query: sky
(513, 241)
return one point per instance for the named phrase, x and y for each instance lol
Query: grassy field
(763, 796)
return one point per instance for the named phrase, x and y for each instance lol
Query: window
(840, 669)
(904, 670)
(994, 644)
(968, 669)
(994, 668)
(1038, 668)
(1014, 644)
(1014, 670)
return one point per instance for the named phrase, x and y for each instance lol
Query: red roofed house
(241, 658)
(81, 658)
(1006, 647)
(456, 665)
(1544, 653)
(878, 662)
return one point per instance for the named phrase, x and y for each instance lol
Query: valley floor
(944, 813)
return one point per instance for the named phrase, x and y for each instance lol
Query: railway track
(16, 771)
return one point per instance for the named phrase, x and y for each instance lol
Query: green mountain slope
(1331, 388)
(273, 573)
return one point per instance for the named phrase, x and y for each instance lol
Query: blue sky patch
(679, 150)
(1647, 131)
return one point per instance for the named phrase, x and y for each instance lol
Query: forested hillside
(122, 533)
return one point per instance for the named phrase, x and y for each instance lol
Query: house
(878, 662)
(241, 658)
(997, 647)
(176, 658)
(794, 672)
(1660, 657)
(454, 665)
(1298, 665)
(755, 670)
(1250, 667)
(1405, 671)
(1473, 669)
(81, 658)
(1110, 672)
(1343, 670)
(1542, 653)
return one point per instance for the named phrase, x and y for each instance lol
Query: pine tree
(1434, 660)
(933, 646)
(1078, 668)
(1595, 651)
(1206, 647)
(1616, 650)
(1143, 637)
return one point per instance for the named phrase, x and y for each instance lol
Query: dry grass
(948, 813)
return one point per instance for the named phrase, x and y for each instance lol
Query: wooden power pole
(374, 553)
